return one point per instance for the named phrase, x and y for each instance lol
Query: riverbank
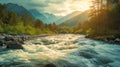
(15, 41)
(108, 39)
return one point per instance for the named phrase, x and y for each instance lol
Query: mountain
(67, 17)
(45, 17)
(20, 10)
(51, 18)
(38, 15)
(82, 17)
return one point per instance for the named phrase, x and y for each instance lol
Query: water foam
(64, 50)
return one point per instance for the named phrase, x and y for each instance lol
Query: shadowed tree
(104, 18)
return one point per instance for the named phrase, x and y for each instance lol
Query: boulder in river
(8, 38)
(14, 45)
(117, 40)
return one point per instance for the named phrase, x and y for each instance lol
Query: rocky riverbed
(12, 41)
(108, 39)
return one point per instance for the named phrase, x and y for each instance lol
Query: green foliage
(89, 31)
(11, 23)
(65, 29)
(79, 31)
(30, 30)
(19, 27)
(1, 29)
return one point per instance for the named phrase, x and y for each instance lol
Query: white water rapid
(63, 50)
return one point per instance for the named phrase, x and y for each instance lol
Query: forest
(12, 23)
(104, 19)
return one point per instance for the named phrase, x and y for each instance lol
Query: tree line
(104, 19)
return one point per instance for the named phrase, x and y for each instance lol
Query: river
(63, 50)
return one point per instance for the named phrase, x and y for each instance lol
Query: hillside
(76, 20)
(45, 17)
(67, 17)
(20, 10)
(38, 15)
(51, 18)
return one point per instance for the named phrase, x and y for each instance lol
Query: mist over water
(63, 50)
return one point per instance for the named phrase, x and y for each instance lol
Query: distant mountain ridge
(82, 17)
(20, 10)
(51, 17)
(45, 17)
(38, 15)
(67, 17)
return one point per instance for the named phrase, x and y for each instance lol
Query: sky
(56, 7)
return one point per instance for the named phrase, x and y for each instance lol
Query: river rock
(8, 38)
(111, 38)
(1, 42)
(117, 40)
(50, 65)
(14, 45)
(11, 38)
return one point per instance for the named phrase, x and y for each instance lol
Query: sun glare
(69, 7)
(83, 6)
(77, 6)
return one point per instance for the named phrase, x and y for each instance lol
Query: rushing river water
(63, 50)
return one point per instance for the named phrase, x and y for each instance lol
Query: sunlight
(76, 6)
(83, 6)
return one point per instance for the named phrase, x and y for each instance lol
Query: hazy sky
(56, 7)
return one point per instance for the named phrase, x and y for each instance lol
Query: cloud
(55, 1)
(27, 3)
(57, 7)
